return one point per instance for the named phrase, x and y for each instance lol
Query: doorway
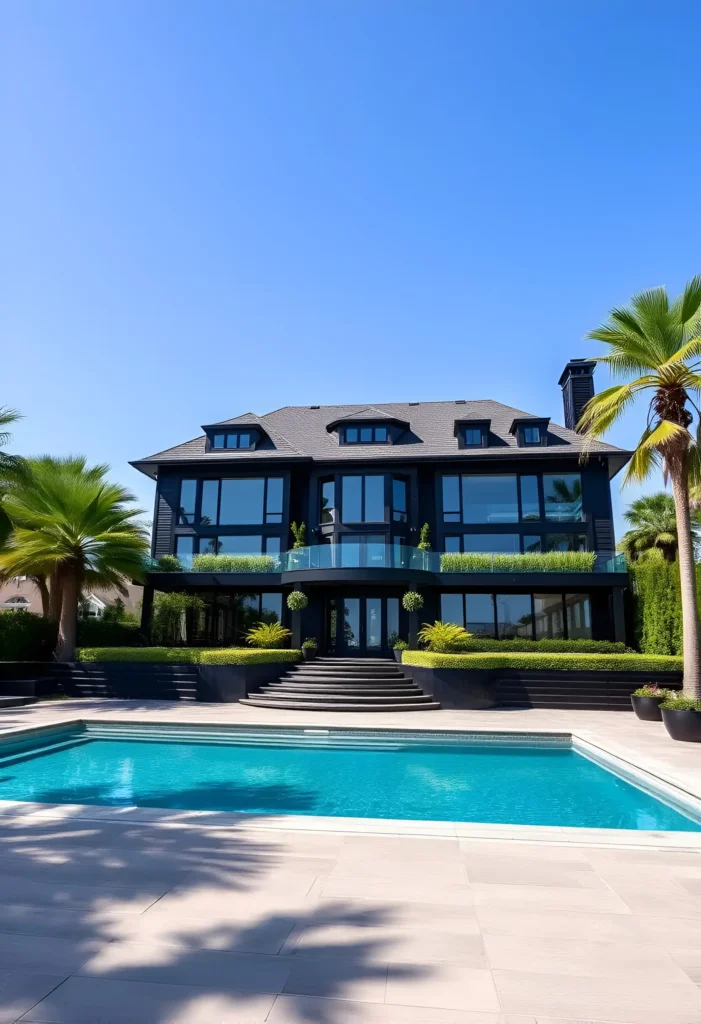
(361, 625)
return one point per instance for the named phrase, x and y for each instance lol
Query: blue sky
(220, 206)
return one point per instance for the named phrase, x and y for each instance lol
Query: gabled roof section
(369, 414)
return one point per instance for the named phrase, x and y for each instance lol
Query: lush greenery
(540, 661)
(652, 690)
(545, 561)
(681, 703)
(657, 603)
(103, 633)
(656, 345)
(188, 655)
(74, 527)
(653, 529)
(297, 601)
(26, 637)
(443, 637)
(233, 563)
(299, 532)
(169, 563)
(267, 634)
(483, 645)
(168, 625)
(400, 645)
(412, 601)
(424, 538)
(310, 644)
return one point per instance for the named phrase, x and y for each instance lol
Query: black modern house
(482, 479)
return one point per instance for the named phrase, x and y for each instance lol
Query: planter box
(457, 688)
(683, 725)
(647, 708)
(227, 684)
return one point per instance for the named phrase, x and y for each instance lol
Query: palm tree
(71, 525)
(656, 344)
(653, 532)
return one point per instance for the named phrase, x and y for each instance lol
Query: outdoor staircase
(576, 691)
(149, 681)
(344, 684)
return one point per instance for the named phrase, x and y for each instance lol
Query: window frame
(561, 594)
(359, 427)
(228, 436)
(363, 489)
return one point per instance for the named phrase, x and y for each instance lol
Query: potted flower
(646, 702)
(398, 648)
(682, 718)
(309, 648)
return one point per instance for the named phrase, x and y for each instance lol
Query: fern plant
(443, 637)
(267, 634)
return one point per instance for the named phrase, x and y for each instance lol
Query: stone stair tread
(324, 706)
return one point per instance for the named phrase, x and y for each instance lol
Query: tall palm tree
(656, 344)
(653, 532)
(71, 524)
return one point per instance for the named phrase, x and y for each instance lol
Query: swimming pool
(487, 778)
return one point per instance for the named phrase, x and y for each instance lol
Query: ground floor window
(512, 616)
(226, 618)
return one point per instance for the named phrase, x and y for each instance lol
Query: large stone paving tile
(52, 955)
(20, 990)
(441, 985)
(387, 943)
(337, 979)
(235, 933)
(100, 1001)
(510, 921)
(34, 892)
(544, 897)
(530, 870)
(315, 1010)
(646, 902)
(633, 997)
(416, 890)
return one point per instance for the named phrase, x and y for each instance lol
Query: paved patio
(115, 916)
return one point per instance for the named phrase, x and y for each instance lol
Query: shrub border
(542, 662)
(188, 655)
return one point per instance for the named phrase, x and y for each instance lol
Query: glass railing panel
(230, 562)
(367, 555)
(546, 561)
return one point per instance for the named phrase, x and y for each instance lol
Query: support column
(147, 610)
(619, 615)
(296, 638)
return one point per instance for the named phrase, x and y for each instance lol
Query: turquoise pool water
(337, 776)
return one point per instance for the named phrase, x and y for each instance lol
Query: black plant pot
(647, 708)
(683, 725)
(398, 654)
(309, 653)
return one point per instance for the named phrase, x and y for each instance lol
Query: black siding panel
(166, 510)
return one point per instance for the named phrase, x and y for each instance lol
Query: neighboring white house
(20, 594)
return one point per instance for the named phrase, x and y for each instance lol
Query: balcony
(374, 556)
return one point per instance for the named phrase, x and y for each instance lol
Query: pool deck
(167, 917)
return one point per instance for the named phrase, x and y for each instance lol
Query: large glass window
(479, 614)
(351, 621)
(271, 607)
(514, 616)
(184, 545)
(489, 499)
(530, 500)
(328, 502)
(532, 545)
(452, 609)
(562, 493)
(240, 545)
(451, 499)
(273, 500)
(188, 499)
(399, 503)
(242, 501)
(373, 622)
(363, 499)
(452, 542)
(209, 545)
(578, 616)
(365, 435)
(491, 542)
(392, 615)
(565, 542)
(549, 616)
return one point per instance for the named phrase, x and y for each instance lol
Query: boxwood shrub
(26, 637)
(188, 655)
(566, 662)
(98, 633)
(482, 645)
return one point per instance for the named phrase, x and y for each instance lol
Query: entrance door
(361, 625)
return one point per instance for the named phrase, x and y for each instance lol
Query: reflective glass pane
(232, 440)
(452, 609)
(452, 543)
(489, 499)
(351, 435)
(366, 434)
(578, 616)
(451, 499)
(549, 616)
(479, 614)
(351, 622)
(241, 501)
(531, 545)
(399, 495)
(392, 615)
(188, 497)
(380, 433)
(473, 435)
(328, 501)
(184, 545)
(208, 546)
(374, 499)
(374, 550)
(350, 550)
(565, 542)
(219, 440)
(244, 441)
(530, 502)
(531, 435)
(272, 545)
(514, 617)
(352, 497)
(373, 622)
(497, 542)
(273, 501)
(563, 497)
(246, 545)
(271, 607)
(210, 499)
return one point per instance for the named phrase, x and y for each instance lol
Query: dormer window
(530, 432)
(233, 439)
(472, 433)
(365, 435)
(531, 435)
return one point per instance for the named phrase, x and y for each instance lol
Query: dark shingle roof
(300, 432)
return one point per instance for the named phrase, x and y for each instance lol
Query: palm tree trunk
(687, 578)
(68, 623)
(55, 594)
(40, 583)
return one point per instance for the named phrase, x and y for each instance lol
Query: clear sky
(228, 205)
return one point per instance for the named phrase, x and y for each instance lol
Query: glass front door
(362, 625)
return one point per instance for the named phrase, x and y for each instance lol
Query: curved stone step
(351, 691)
(299, 705)
(340, 680)
(419, 698)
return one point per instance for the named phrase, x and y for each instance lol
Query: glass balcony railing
(372, 555)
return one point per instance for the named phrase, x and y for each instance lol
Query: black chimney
(577, 383)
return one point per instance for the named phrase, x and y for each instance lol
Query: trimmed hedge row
(546, 561)
(188, 655)
(479, 645)
(567, 662)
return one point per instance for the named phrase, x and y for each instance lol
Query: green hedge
(188, 655)
(569, 662)
(26, 637)
(98, 633)
(546, 561)
(234, 563)
(479, 645)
